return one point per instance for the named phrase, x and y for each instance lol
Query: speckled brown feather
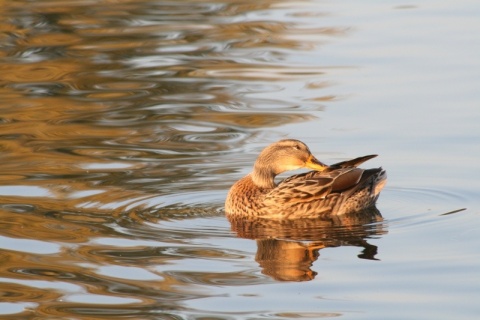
(341, 188)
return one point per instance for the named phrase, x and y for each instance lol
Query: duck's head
(281, 156)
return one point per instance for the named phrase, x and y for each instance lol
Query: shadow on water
(286, 250)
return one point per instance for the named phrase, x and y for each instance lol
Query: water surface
(123, 124)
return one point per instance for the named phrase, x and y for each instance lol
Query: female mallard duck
(341, 188)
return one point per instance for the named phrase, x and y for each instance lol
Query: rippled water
(124, 123)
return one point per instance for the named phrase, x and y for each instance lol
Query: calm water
(123, 124)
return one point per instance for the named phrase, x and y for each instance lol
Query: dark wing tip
(352, 163)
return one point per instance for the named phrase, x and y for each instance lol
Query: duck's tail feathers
(352, 163)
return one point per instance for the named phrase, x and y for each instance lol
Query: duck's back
(341, 189)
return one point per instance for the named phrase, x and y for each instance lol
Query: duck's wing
(299, 188)
(312, 186)
(316, 185)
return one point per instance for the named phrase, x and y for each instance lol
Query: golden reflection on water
(62, 270)
(119, 121)
(115, 86)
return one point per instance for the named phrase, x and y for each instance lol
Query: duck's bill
(313, 163)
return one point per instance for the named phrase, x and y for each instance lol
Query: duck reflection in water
(287, 249)
(331, 204)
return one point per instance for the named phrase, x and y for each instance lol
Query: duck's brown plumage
(328, 190)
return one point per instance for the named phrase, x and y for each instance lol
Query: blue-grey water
(123, 124)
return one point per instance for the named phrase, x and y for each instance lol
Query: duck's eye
(296, 147)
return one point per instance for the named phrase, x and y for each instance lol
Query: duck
(326, 190)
